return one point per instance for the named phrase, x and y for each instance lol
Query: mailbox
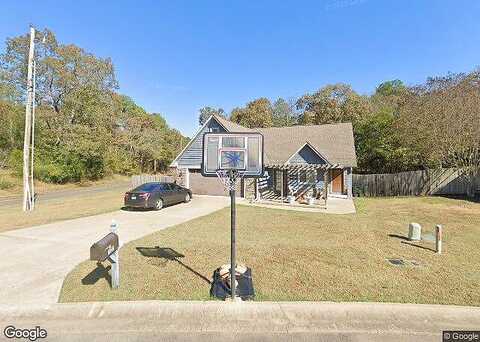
(104, 247)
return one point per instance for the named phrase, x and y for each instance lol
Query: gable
(333, 142)
(192, 155)
(306, 155)
(330, 143)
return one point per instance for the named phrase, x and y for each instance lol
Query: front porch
(335, 205)
(303, 184)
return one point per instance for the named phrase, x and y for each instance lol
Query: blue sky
(174, 57)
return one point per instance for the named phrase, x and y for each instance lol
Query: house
(298, 160)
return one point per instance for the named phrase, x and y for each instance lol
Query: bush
(50, 172)
(60, 166)
(6, 184)
(358, 190)
(15, 162)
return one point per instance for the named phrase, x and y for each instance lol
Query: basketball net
(229, 178)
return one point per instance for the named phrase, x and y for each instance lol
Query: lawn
(58, 201)
(85, 204)
(298, 256)
(12, 185)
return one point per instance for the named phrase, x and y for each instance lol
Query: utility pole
(28, 194)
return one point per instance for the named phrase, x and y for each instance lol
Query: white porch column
(186, 181)
(349, 182)
(281, 189)
(326, 184)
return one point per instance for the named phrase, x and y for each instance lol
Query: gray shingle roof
(333, 141)
(231, 126)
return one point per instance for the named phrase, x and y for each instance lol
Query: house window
(270, 175)
(302, 176)
(278, 180)
(311, 176)
(215, 129)
(320, 175)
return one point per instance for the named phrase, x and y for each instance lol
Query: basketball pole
(232, 235)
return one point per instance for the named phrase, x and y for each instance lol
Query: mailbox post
(438, 238)
(114, 257)
(107, 248)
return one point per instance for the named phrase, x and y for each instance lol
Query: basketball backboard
(233, 151)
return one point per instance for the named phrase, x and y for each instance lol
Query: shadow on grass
(406, 241)
(167, 253)
(475, 199)
(401, 237)
(97, 274)
(419, 246)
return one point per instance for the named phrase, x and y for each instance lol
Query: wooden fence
(142, 179)
(415, 183)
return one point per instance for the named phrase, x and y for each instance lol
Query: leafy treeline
(398, 128)
(84, 128)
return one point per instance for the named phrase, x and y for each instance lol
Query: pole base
(237, 299)
(220, 288)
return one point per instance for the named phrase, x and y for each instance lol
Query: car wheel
(187, 198)
(159, 204)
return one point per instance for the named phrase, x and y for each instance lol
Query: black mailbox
(104, 247)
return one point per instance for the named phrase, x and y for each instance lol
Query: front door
(337, 181)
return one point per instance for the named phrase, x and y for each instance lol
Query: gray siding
(306, 155)
(193, 154)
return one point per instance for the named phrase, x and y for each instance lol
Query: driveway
(35, 260)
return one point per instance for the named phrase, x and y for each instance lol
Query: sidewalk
(252, 321)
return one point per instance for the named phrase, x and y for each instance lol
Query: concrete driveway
(35, 260)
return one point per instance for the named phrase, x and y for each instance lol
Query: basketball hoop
(231, 157)
(229, 178)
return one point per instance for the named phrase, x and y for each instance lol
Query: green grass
(308, 256)
(12, 216)
(12, 184)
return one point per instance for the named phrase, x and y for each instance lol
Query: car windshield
(150, 187)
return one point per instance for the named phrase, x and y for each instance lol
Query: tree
(206, 112)
(441, 119)
(332, 104)
(391, 88)
(379, 148)
(257, 113)
(60, 69)
(84, 129)
(283, 113)
(389, 97)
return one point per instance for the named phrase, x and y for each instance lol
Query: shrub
(6, 184)
(15, 162)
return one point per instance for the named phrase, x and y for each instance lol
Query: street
(248, 321)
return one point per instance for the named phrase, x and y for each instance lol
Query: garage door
(207, 185)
